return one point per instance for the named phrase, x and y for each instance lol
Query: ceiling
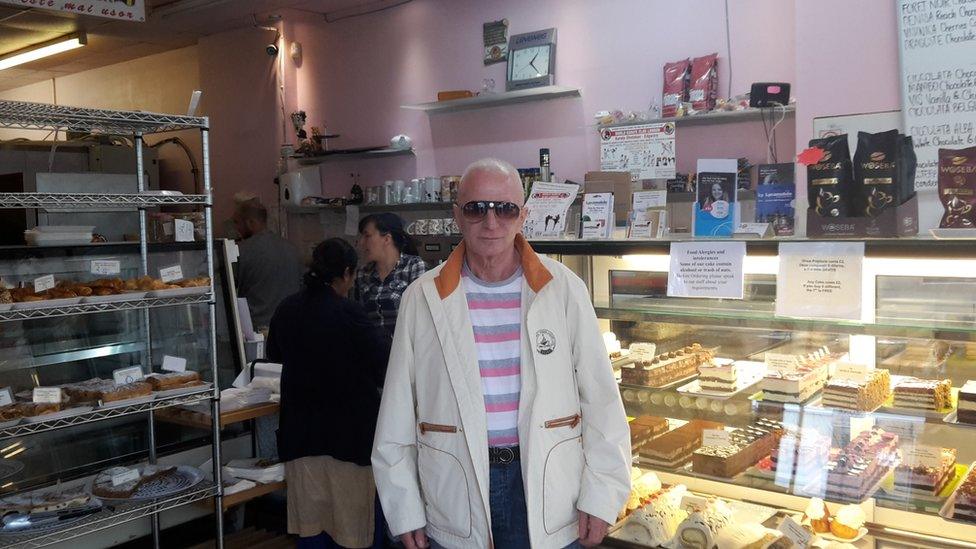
(170, 24)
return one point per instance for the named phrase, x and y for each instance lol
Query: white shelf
(495, 99)
(366, 155)
(715, 117)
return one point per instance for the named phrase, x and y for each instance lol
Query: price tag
(924, 456)
(124, 376)
(171, 274)
(780, 363)
(761, 230)
(796, 533)
(6, 397)
(105, 267)
(47, 395)
(183, 230)
(852, 371)
(174, 364)
(712, 438)
(42, 283)
(128, 475)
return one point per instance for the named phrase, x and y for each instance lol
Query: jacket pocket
(568, 421)
(561, 481)
(445, 489)
(435, 428)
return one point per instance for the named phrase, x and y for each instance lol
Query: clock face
(530, 63)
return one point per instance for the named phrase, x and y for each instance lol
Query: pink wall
(357, 72)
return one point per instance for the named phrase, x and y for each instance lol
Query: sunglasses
(477, 210)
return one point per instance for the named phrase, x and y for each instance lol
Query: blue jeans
(509, 519)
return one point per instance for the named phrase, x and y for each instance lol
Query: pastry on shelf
(923, 394)
(793, 387)
(665, 368)
(104, 487)
(125, 392)
(964, 507)
(926, 479)
(700, 529)
(674, 448)
(645, 428)
(847, 522)
(195, 282)
(966, 408)
(747, 446)
(11, 412)
(613, 345)
(5, 296)
(643, 486)
(857, 469)
(656, 522)
(817, 516)
(46, 500)
(800, 454)
(173, 380)
(720, 376)
(864, 396)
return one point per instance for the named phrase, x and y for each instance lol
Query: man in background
(269, 268)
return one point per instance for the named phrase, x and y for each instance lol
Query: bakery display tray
(184, 478)
(750, 377)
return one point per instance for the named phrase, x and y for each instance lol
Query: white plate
(750, 374)
(182, 390)
(63, 414)
(114, 298)
(48, 303)
(179, 292)
(126, 402)
(861, 532)
(952, 234)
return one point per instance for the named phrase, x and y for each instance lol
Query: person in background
(391, 264)
(333, 358)
(501, 424)
(269, 268)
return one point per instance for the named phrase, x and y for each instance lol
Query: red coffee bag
(704, 82)
(675, 86)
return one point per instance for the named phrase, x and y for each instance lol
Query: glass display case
(730, 400)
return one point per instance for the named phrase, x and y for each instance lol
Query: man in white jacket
(501, 424)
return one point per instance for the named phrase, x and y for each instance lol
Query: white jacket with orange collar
(430, 456)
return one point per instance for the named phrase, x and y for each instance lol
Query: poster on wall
(644, 150)
(937, 41)
(496, 41)
(126, 10)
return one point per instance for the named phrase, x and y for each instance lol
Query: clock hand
(533, 62)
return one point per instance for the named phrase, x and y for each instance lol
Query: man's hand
(418, 539)
(591, 530)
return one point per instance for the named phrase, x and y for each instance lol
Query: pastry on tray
(700, 529)
(817, 516)
(175, 380)
(656, 522)
(46, 500)
(11, 412)
(103, 486)
(195, 282)
(847, 522)
(125, 392)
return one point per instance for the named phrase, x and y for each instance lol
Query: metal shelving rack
(39, 116)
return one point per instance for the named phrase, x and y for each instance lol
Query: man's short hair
(252, 209)
(492, 165)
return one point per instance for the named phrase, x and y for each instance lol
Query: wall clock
(531, 60)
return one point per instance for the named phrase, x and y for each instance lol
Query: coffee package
(957, 187)
(704, 82)
(830, 179)
(676, 76)
(908, 164)
(877, 175)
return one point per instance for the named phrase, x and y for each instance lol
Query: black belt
(503, 454)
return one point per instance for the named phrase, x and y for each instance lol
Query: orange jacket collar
(536, 274)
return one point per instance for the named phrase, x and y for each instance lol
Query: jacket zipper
(568, 421)
(435, 428)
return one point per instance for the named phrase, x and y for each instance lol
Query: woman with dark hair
(334, 359)
(391, 264)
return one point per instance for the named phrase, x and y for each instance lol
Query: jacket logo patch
(545, 342)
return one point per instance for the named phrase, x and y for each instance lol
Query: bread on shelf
(173, 380)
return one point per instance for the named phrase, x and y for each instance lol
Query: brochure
(597, 218)
(776, 198)
(714, 210)
(548, 205)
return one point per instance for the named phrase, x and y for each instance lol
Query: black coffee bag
(957, 187)
(829, 181)
(876, 172)
(908, 164)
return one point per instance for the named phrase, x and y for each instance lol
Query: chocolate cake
(674, 448)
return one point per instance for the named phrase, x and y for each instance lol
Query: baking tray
(185, 477)
(178, 292)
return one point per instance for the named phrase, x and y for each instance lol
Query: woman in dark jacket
(334, 360)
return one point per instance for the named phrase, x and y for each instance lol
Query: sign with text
(780, 363)
(127, 475)
(820, 280)
(923, 456)
(706, 269)
(6, 396)
(644, 150)
(43, 283)
(171, 273)
(125, 376)
(800, 536)
(174, 364)
(182, 230)
(127, 10)
(852, 371)
(46, 395)
(937, 41)
(714, 438)
(105, 267)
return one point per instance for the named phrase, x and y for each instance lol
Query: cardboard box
(892, 223)
(617, 183)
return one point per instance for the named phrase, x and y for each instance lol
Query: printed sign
(923, 456)
(820, 280)
(706, 269)
(780, 363)
(796, 533)
(122, 10)
(174, 364)
(125, 376)
(645, 150)
(171, 274)
(183, 230)
(42, 283)
(46, 395)
(122, 477)
(6, 397)
(105, 267)
(852, 371)
(712, 438)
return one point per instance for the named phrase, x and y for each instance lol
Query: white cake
(656, 522)
(793, 387)
(718, 375)
(700, 529)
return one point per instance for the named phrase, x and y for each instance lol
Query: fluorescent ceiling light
(42, 50)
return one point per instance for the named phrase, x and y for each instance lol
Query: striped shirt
(496, 316)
